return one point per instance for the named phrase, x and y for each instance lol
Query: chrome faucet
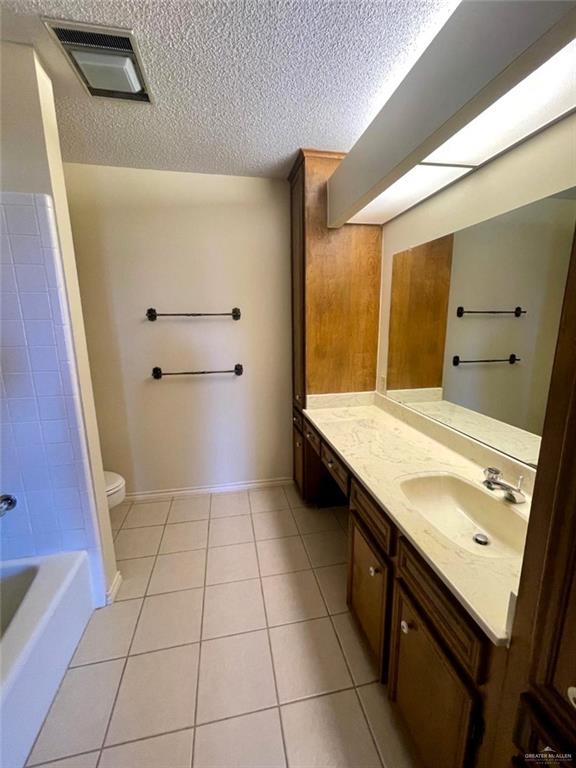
(7, 502)
(494, 482)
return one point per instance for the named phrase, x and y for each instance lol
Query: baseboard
(114, 587)
(167, 493)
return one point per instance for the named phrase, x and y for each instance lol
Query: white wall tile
(7, 279)
(47, 227)
(47, 383)
(22, 409)
(18, 384)
(43, 442)
(31, 277)
(21, 220)
(15, 360)
(44, 359)
(17, 546)
(26, 249)
(52, 408)
(56, 431)
(5, 250)
(10, 307)
(39, 333)
(27, 433)
(35, 306)
(16, 198)
(64, 476)
(12, 333)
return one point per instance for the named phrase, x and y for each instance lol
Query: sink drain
(481, 538)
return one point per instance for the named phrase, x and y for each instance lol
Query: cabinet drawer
(435, 702)
(459, 633)
(297, 419)
(336, 468)
(373, 516)
(312, 436)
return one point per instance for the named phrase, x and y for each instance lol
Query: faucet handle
(492, 473)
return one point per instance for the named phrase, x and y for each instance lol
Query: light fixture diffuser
(543, 97)
(420, 182)
(108, 71)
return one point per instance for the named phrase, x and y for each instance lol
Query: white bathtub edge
(48, 641)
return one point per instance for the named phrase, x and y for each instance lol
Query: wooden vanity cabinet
(369, 582)
(444, 675)
(434, 700)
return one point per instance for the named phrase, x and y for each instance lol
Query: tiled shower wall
(44, 460)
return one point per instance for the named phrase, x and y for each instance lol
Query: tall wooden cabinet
(335, 299)
(335, 288)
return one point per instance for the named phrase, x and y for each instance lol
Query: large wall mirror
(474, 321)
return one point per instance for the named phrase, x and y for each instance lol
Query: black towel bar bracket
(158, 373)
(152, 314)
(457, 360)
(517, 312)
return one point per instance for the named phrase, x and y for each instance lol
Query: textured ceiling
(237, 85)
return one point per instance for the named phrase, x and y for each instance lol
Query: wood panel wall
(418, 315)
(342, 291)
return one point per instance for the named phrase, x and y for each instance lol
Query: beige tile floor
(229, 646)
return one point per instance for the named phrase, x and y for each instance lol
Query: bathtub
(45, 603)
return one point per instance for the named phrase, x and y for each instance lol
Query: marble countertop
(380, 450)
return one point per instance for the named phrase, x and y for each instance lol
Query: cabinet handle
(373, 570)
(308, 435)
(298, 397)
(330, 463)
(406, 626)
(571, 693)
(294, 419)
(298, 444)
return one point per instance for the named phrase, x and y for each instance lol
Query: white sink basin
(460, 510)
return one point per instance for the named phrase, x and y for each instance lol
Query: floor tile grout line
(143, 598)
(286, 761)
(370, 729)
(115, 701)
(348, 666)
(278, 706)
(216, 637)
(201, 632)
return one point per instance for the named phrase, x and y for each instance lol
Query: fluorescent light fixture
(108, 71)
(420, 182)
(544, 96)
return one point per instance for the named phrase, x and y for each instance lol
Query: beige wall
(519, 258)
(542, 166)
(183, 242)
(23, 161)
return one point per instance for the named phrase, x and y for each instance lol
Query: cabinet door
(433, 700)
(367, 590)
(297, 229)
(298, 459)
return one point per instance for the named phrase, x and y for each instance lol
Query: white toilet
(115, 489)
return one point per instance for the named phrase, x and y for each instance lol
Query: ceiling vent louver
(105, 59)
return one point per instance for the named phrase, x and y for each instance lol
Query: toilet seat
(115, 488)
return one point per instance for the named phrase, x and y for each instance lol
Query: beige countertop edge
(379, 449)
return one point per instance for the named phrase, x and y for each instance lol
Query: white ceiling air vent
(105, 59)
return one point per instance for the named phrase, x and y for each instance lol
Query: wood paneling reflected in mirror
(418, 315)
(518, 259)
